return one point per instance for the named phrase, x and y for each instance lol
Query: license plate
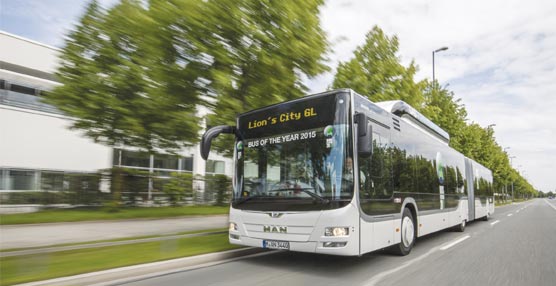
(274, 244)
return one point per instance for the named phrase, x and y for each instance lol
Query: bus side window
(375, 175)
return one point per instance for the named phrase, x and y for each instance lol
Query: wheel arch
(410, 204)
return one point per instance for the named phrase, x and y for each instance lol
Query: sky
(501, 58)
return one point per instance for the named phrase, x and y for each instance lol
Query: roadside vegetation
(26, 268)
(123, 239)
(91, 214)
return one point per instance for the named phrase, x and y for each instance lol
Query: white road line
(510, 214)
(494, 222)
(551, 205)
(455, 242)
(375, 279)
(517, 211)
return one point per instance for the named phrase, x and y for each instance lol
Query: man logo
(275, 215)
(276, 229)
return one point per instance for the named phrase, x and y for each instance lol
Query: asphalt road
(517, 246)
(34, 235)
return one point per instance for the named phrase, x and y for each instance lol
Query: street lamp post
(433, 52)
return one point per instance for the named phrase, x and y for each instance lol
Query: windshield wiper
(305, 190)
(242, 200)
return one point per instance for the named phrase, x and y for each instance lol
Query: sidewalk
(21, 236)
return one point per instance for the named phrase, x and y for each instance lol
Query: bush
(179, 187)
(220, 187)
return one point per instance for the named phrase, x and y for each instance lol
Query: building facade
(38, 152)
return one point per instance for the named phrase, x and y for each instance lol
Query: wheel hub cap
(408, 231)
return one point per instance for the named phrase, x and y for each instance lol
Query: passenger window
(375, 171)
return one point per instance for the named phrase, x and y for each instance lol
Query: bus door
(470, 189)
(375, 192)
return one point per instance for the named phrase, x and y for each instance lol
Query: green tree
(136, 74)
(444, 110)
(271, 46)
(113, 85)
(179, 187)
(376, 71)
(218, 186)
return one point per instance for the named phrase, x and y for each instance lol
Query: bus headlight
(336, 231)
(233, 227)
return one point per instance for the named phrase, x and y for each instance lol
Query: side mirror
(212, 133)
(364, 135)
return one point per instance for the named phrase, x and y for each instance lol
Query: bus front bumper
(338, 246)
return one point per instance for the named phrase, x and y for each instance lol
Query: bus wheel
(485, 218)
(460, 227)
(407, 234)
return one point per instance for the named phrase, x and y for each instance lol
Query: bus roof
(405, 111)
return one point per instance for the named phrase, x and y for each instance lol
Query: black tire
(460, 227)
(407, 233)
(485, 218)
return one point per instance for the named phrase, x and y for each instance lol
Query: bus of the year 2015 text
(335, 173)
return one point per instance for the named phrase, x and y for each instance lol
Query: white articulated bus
(335, 173)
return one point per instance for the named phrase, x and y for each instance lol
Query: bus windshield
(295, 156)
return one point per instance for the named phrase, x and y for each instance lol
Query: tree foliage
(136, 74)
(376, 71)
(114, 82)
(270, 46)
(179, 187)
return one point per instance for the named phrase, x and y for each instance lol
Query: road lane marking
(455, 242)
(510, 214)
(375, 279)
(517, 211)
(551, 205)
(494, 222)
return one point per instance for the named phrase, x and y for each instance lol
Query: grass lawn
(69, 215)
(20, 269)
(116, 239)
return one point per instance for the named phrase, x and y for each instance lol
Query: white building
(37, 150)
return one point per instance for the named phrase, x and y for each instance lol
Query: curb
(121, 275)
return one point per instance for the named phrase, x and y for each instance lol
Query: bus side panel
(434, 222)
(480, 209)
(379, 234)
(491, 205)
(463, 211)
